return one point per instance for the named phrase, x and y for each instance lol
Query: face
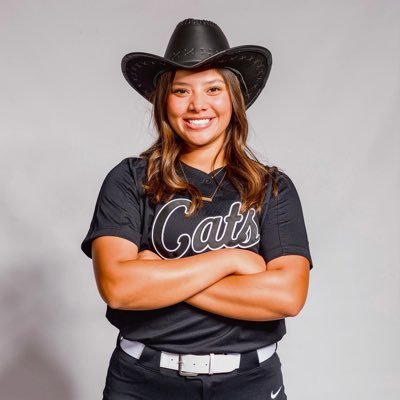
(199, 108)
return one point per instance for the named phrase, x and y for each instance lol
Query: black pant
(131, 379)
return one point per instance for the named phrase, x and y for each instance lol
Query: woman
(199, 251)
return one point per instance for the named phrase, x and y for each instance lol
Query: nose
(198, 102)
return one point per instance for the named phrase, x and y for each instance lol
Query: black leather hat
(200, 43)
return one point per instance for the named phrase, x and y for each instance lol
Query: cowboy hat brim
(252, 64)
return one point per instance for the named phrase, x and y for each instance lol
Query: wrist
(228, 260)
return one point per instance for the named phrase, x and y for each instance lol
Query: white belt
(191, 364)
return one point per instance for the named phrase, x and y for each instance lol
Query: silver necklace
(205, 198)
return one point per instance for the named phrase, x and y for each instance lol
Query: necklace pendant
(206, 198)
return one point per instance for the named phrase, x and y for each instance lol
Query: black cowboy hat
(200, 43)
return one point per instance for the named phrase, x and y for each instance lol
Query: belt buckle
(184, 373)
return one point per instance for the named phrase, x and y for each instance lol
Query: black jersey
(122, 209)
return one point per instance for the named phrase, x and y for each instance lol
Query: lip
(196, 128)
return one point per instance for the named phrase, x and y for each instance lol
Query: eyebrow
(206, 83)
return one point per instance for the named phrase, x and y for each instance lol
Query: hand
(247, 262)
(147, 255)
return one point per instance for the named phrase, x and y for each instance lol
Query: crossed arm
(276, 293)
(235, 283)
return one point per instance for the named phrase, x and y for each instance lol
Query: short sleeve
(117, 209)
(282, 227)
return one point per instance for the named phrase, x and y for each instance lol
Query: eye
(214, 89)
(179, 91)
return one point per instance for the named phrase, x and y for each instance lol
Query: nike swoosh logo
(273, 395)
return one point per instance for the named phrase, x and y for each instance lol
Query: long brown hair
(246, 173)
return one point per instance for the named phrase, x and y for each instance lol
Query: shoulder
(129, 169)
(281, 187)
(133, 165)
(278, 176)
(284, 181)
(277, 179)
(126, 176)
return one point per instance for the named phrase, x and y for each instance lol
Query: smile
(199, 123)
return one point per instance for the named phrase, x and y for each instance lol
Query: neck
(203, 160)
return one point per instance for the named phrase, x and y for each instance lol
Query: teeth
(199, 122)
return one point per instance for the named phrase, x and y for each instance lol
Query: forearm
(150, 284)
(268, 295)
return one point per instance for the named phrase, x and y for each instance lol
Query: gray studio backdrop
(329, 117)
